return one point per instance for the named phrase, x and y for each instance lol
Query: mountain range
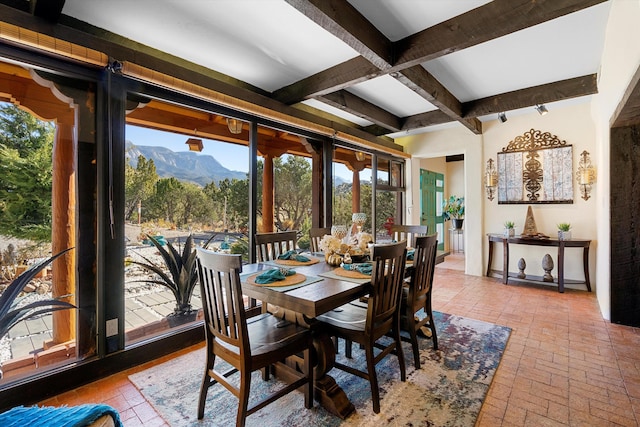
(200, 169)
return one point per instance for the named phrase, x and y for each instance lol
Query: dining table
(302, 304)
(322, 291)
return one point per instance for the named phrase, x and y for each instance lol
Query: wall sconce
(503, 117)
(360, 156)
(490, 179)
(586, 175)
(234, 125)
(195, 144)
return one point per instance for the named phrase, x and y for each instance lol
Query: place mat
(294, 279)
(295, 262)
(282, 288)
(332, 275)
(353, 274)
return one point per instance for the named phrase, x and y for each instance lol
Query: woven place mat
(333, 275)
(295, 262)
(294, 279)
(353, 274)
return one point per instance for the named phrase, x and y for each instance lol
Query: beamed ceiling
(378, 69)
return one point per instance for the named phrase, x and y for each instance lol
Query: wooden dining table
(302, 305)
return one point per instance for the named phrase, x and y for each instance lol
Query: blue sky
(231, 156)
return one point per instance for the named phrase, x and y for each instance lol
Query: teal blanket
(63, 416)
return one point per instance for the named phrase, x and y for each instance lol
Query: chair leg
(432, 326)
(400, 353)
(347, 348)
(206, 383)
(308, 371)
(373, 378)
(411, 328)
(335, 344)
(243, 398)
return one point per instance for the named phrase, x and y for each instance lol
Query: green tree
(292, 176)
(139, 184)
(26, 146)
(193, 205)
(163, 204)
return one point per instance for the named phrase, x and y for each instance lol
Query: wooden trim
(29, 38)
(144, 74)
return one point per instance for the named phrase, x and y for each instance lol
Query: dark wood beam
(628, 111)
(495, 19)
(344, 21)
(550, 92)
(47, 9)
(430, 118)
(357, 106)
(424, 84)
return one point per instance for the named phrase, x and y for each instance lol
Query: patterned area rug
(448, 390)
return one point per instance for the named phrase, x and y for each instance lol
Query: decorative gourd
(333, 259)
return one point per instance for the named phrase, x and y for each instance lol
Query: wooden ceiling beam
(47, 9)
(357, 106)
(424, 84)
(344, 21)
(523, 98)
(450, 36)
(488, 22)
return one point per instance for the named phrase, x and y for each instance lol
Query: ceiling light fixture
(360, 156)
(234, 125)
(503, 117)
(195, 144)
(541, 109)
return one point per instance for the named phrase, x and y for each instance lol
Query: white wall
(620, 60)
(584, 126)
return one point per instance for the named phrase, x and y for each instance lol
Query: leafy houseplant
(12, 312)
(509, 229)
(181, 278)
(453, 208)
(564, 231)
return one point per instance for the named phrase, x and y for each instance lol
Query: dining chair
(315, 235)
(246, 346)
(381, 315)
(409, 233)
(417, 295)
(271, 245)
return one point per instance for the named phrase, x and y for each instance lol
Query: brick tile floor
(563, 366)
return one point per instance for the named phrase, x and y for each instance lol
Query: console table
(560, 244)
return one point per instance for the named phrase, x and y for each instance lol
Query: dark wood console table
(560, 244)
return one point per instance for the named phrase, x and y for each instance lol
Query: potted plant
(13, 312)
(178, 274)
(564, 231)
(509, 229)
(453, 208)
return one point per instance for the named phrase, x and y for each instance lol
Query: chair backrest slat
(315, 235)
(386, 279)
(271, 245)
(223, 303)
(408, 232)
(424, 262)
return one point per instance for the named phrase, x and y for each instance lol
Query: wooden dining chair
(271, 245)
(417, 295)
(409, 233)
(381, 315)
(246, 346)
(315, 235)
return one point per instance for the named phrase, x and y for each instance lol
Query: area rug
(448, 390)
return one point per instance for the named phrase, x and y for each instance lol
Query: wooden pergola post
(63, 204)
(267, 193)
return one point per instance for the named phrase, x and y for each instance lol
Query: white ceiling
(270, 44)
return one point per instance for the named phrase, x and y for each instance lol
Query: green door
(431, 195)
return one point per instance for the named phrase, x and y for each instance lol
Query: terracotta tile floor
(563, 366)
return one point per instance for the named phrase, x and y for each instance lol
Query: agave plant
(181, 278)
(11, 313)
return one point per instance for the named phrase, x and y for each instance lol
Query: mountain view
(185, 166)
